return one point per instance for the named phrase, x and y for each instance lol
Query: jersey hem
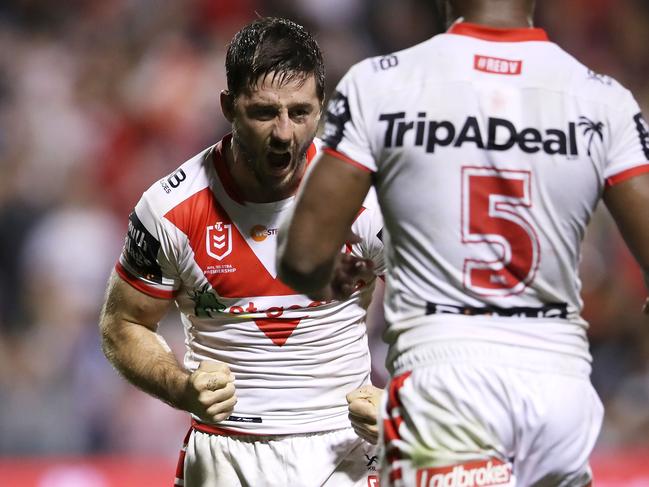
(213, 429)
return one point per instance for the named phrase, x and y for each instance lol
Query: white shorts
(329, 459)
(485, 415)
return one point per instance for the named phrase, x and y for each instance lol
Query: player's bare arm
(128, 323)
(626, 201)
(327, 204)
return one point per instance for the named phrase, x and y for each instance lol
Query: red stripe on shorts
(391, 426)
(180, 468)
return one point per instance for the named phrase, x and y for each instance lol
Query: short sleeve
(147, 258)
(628, 153)
(345, 130)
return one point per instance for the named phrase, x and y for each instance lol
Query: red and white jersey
(490, 149)
(192, 238)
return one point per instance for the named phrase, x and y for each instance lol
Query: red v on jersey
(278, 329)
(226, 259)
(236, 272)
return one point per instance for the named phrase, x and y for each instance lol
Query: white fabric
(475, 216)
(493, 404)
(331, 459)
(294, 359)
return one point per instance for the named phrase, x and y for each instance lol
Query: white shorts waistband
(491, 353)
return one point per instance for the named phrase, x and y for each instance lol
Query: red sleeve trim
(626, 175)
(343, 157)
(140, 286)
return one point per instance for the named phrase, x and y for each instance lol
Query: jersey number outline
(490, 198)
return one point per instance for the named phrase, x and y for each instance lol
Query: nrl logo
(218, 240)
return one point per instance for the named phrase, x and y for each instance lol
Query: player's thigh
(556, 452)
(336, 458)
(355, 462)
(223, 461)
(445, 421)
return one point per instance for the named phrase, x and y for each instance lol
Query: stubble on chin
(240, 150)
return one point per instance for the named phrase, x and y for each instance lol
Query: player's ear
(227, 105)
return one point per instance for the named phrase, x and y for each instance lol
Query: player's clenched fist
(364, 412)
(210, 392)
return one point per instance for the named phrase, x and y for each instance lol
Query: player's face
(273, 125)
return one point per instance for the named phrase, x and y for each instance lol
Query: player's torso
(294, 358)
(489, 169)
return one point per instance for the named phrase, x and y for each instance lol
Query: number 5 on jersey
(494, 227)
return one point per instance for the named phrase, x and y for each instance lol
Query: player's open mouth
(279, 160)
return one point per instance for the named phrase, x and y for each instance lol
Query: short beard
(242, 150)
(244, 153)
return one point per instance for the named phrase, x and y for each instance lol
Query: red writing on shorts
(475, 474)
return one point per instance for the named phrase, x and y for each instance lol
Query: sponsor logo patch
(338, 115)
(259, 233)
(489, 473)
(488, 64)
(600, 78)
(591, 129)
(643, 133)
(371, 460)
(141, 250)
(499, 134)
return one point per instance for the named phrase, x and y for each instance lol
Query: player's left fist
(363, 409)
(350, 274)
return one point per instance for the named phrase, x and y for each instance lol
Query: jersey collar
(498, 35)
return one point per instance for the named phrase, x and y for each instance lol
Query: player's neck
(512, 18)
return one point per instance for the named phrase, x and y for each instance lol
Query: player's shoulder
(586, 83)
(181, 184)
(395, 67)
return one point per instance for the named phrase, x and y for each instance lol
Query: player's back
(491, 150)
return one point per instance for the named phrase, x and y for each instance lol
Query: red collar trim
(310, 153)
(498, 35)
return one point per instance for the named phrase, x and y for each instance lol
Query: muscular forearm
(311, 280)
(145, 360)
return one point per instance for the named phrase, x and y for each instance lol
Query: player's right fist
(210, 392)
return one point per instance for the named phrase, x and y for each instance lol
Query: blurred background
(100, 98)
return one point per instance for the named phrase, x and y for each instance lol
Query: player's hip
(322, 459)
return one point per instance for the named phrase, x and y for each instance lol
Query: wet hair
(273, 46)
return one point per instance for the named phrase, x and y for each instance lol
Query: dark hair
(273, 45)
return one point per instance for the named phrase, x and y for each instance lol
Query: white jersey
(192, 238)
(490, 150)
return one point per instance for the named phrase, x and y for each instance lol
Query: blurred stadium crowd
(100, 98)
